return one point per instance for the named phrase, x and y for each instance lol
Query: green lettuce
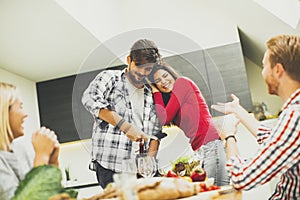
(41, 183)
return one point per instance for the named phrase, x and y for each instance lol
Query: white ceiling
(46, 39)
(40, 41)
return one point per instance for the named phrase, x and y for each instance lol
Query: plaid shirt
(108, 90)
(279, 154)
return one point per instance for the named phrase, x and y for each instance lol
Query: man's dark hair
(144, 51)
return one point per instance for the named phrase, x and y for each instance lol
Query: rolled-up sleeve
(278, 153)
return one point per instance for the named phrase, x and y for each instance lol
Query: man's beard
(272, 85)
(134, 80)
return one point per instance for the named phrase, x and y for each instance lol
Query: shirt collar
(293, 98)
(123, 73)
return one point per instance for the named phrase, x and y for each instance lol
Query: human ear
(128, 60)
(279, 70)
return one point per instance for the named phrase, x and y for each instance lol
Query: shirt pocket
(119, 102)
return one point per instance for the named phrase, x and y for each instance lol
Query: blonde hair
(8, 95)
(285, 49)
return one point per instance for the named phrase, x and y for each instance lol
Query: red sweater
(188, 110)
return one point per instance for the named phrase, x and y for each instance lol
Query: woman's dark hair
(164, 66)
(144, 51)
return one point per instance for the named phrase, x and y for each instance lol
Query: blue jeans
(213, 156)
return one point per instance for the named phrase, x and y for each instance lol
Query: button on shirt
(279, 155)
(108, 90)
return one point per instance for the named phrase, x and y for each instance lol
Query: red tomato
(214, 187)
(171, 174)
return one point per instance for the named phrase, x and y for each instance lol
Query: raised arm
(46, 147)
(95, 101)
(245, 118)
(227, 127)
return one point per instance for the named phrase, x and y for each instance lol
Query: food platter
(162, 188)
(173, 184)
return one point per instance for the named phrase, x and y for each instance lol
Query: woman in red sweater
(179, 101)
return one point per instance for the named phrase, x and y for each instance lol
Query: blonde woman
(13, 163)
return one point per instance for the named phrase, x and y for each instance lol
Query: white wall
(27, 91)
(258, 88)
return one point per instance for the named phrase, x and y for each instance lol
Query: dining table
(224, 193)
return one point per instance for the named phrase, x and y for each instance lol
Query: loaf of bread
(168, 188)
(156, 188)
(165, 189)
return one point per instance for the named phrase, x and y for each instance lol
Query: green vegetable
(183, 159)
(41, 183)
(188, 162)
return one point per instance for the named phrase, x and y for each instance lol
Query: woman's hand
(44, 141)
(229, 107)
(54, 156)
(154, 89)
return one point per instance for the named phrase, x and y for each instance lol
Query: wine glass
(146, 166)
(129, 166)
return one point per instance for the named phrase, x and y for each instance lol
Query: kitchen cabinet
(218, 72)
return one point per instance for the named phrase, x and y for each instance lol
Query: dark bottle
(141, 153)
